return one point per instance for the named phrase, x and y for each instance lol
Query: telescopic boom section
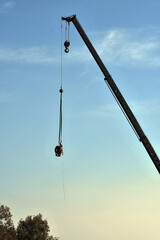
(116, 93)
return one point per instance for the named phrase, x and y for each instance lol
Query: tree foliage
(33, 228)
(7, 230)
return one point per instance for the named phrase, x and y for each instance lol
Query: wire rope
(123, 110)
(60, 117)
(61, 91)
(61, 49)
(68, 30)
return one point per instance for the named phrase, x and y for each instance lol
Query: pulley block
(66, 44)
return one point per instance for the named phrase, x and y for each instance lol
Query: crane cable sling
(61, 91)
(60, 119)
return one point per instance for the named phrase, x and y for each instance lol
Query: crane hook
(66, 44)
(66, 50)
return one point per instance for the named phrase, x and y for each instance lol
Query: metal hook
(66, 50)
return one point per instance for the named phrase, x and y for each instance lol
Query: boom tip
(69, 19)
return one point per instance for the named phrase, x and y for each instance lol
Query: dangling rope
(64, 194)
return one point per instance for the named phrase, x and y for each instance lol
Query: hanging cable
(68, 30)
(60, 133)
(65, 31)
(59, 147)
(61, 91)
(61, 49)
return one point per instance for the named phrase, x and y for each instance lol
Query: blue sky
(112, 186)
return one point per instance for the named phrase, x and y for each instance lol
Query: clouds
(131, 47)
(143, 107)
(6, 6)
(33, 55)
(122, 47)
(9, 4)
(125, 47)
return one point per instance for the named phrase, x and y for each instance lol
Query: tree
(33, 228)
(7, 230)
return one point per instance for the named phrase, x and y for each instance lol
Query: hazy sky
(112, 187)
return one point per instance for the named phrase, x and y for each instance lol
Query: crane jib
(116, 93)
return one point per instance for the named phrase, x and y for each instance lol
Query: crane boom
(116, 93)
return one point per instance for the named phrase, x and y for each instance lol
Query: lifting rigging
(113, 88)
(59, 148)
